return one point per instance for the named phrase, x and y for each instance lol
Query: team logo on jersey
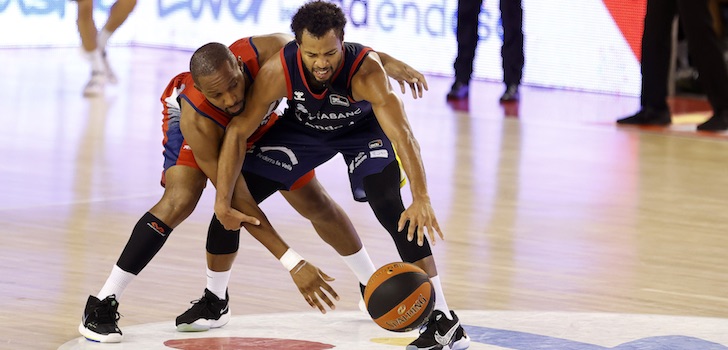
(301, 111)
(338, 100)
(298, 96)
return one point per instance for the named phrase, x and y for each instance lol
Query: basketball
(399, 297)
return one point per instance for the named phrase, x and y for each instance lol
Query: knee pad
(220, 240)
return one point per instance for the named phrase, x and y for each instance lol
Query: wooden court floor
(546, 205)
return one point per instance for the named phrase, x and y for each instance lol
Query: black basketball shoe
(205, 313)
(362, 304)
(440, 333)
(99, 320)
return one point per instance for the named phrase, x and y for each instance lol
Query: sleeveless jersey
(176, 151)
(244, 49)
(334, 108)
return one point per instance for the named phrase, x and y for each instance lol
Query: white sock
(217, 282)
(102, 38)
(116, 283)
(97, 61)
(361, 264)
(440, 303)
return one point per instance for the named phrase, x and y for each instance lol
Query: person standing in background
(704, 49)
(511, 51)
(93, 41)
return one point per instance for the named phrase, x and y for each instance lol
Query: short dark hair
(208, 59)
(318, 17)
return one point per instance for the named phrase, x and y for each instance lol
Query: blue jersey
(332, 109)
(315, 127)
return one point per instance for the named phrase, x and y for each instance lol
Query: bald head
(209, 59)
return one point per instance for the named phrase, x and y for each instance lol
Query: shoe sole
(99, 338)
(461, 344)
(204, 325)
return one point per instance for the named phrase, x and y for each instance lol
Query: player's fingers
(421, 236)
(308, 299)
(318, 305)
(439, 232)
(402, 221)
(244, 218)
(327, 300)
(411, 231)
(401, 86)
(413, 88)
(326, 277)
(330, 290)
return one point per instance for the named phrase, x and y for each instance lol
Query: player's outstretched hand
(421, 217)
(233, 219)
(404, 74)
(312, 283)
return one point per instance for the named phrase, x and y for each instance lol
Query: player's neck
(313, 84)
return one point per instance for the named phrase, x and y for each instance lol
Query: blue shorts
(289, 150)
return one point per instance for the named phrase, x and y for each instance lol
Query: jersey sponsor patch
(379, 153)
(338, 100)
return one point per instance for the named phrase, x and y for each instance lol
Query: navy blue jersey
(315, 127)
(333, 108)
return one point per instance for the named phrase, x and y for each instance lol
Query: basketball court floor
(563, 231)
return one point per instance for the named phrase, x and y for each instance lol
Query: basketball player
(199, 104)
(94, 41)
(339, 101)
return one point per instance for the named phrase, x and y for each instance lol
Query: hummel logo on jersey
(225, 309)
(298, 96)
(187, 148)
(159, 229)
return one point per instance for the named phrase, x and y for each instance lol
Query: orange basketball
(399, 297)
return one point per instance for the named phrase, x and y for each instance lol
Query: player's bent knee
(221, 241)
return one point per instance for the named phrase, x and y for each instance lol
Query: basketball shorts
(289, 150)
(178, 152)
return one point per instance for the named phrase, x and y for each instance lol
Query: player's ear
(240, 62)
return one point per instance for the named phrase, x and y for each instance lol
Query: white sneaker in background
(95, 85)
(110, 75)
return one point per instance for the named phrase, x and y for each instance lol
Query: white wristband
(290, 259)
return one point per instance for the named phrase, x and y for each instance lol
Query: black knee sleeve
(383, 194)
(220, 240)
(146, 240)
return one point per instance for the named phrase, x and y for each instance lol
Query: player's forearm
(265, 233)
(409, 154)
(229, 165)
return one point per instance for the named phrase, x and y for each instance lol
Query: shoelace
(107, 313)
(201, 300)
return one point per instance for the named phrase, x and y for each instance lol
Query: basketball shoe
(362, 304)
(99, 320)
(205, 313)
(440, 333)
(95, 85)
(110, 75)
